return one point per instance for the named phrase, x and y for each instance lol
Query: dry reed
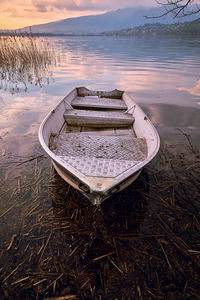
(24, 58)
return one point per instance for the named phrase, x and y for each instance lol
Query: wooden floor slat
(78, 117)
(98, 103)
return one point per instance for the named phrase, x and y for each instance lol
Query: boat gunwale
(83, 178)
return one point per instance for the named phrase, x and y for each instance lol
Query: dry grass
(143, 243)
(24, 58)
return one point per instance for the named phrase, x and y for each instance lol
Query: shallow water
(164, 77)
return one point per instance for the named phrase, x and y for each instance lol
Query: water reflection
(24, 60)
(165, 115)
(153, 70)
(195, 90)
(157, 67)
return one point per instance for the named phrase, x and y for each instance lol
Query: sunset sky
(19, 13)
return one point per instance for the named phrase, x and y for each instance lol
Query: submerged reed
(24, 58)
(142, 243)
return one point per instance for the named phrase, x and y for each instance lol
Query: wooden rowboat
(98, 141)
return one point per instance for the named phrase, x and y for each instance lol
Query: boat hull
(96, 162)
(94, 198)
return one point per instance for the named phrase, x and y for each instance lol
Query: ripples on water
(164, 77)
(162, 72)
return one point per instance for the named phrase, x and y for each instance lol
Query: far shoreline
(186, 29)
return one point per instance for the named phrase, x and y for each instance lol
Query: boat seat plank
(100, 103)
(116, 94)
(78, 117)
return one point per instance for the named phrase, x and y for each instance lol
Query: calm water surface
(162, 74)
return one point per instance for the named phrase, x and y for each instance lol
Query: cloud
(19, 13)
(88, 5)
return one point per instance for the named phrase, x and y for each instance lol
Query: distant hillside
(113, 20)
(177, 29)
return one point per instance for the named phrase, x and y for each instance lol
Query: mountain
(189, 29)
(112, 20)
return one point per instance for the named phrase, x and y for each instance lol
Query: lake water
(164, 77)
(162, 74)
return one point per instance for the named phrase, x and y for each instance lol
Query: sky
(16, 14)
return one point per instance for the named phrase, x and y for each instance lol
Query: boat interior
(98, 137)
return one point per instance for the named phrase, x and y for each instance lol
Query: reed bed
(24, 58)
(143, 243)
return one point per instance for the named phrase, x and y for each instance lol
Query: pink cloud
(18, 13)
(92, 5)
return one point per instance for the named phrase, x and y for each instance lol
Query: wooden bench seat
(98, 103)
(78, 117)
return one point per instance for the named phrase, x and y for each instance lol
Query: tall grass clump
(24, 58)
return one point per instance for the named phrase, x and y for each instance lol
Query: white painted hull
(98, 188)
(95, 199)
